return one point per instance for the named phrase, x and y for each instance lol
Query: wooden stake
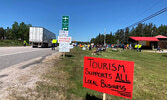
(104, 96)
(64, 54)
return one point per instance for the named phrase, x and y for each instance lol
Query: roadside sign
(63, 33)
(64, 47)
(64, 50)
(64, 39)
(65, 28)
(65, 19)
(71, 46)
(65, 23)
(109, 76)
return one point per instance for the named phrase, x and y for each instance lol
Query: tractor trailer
(40, 37)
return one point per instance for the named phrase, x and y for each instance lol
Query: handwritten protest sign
(113, 77)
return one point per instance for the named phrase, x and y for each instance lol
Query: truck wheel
(34, 46)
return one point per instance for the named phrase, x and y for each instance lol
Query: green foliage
(2, 32)
(17, 32)
(10, 43)
(145, 30)
(149, 74)
(100, 39)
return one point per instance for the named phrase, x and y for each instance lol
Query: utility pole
(105, 36)
(151, 33)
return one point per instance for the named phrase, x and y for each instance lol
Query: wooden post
(104, 96)
(64, 54)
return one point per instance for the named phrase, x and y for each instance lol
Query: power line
(139, 15)
(149, 17)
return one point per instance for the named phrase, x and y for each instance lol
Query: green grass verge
(150, 76)
(10, 43)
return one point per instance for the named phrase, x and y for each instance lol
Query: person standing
(130, 46)
(139, 46)
(123, 46)
(53, 43)
(53, 47)
(24, 43)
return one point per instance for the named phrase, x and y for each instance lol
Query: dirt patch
(155, 51)
(17, 83)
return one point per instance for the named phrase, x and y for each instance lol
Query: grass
(10, 43)
(150, 81)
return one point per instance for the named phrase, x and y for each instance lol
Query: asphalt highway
(14, 55)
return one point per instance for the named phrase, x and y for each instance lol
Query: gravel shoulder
(17, 81)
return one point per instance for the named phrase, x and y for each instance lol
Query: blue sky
(87, 18)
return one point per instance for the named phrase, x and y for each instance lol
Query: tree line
(122, 35)
(17, 32)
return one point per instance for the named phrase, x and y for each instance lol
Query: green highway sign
(65, 23)
(65, 28)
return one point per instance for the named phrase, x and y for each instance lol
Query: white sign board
(63, 33)
(64, 39)
(64, 50)
(71, 46)
(64, 47)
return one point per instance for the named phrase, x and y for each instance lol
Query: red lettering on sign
(109, 76)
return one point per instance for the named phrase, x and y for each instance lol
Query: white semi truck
(40, 37)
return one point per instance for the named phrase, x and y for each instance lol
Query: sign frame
(109, 76)
(63, 33)
(65, 23)
(64, 39)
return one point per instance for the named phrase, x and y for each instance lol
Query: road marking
(21, 52)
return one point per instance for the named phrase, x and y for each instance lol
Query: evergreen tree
(2, 33)
(126, 35)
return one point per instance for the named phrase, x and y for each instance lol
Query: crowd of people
(100, 48)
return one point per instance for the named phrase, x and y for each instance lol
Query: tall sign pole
(65, 23)
(105, 36)
(63, 39)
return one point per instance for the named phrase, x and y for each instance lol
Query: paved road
(14, 55)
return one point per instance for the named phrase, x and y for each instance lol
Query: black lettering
(126, 94)
(110, 76)
(113, 87)
(109, 66)
(90, 60)
(118, 77)
(91, 82)
(97, 74)
(115, 68)
(101, 75)
(86, 81)
(123, 88)
(106, 75)
(121, 76)
(126, 77)
(95, 64)
(100, 67)
(103, 85)
(105, 66)
(87, 72)
(121, 66)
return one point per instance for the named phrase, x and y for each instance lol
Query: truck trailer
(40, 37)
